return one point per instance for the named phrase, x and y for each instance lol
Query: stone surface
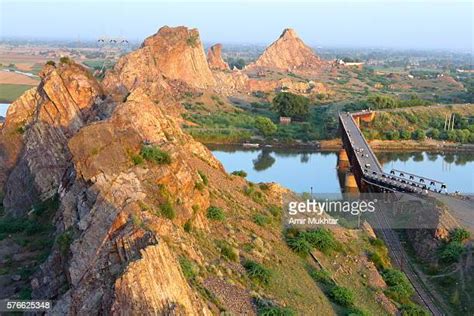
(288, 52)
(173, 53)
(42, 121)
(214, 58)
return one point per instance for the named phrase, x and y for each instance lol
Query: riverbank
(376, 145)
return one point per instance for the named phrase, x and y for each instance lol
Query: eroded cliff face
(43, 119)
(171, 54)
(214, 58)
(288, 52)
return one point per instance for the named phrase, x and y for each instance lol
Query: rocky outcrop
(44, 119)
(20, 113)
(288, 53)
(173, 53)
(214, 58)
(103, 202)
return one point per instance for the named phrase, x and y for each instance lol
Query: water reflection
(303, 170)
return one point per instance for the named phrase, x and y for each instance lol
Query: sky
(421, 24)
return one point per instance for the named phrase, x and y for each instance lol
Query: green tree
(292, 105)
(434, 133)
(265, 126)
(418, 134)
(405, 134)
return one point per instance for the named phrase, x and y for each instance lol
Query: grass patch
(303, 242)
(215, 213)
(342, 296)
(257, 272)
(167, 210)
(154, 154)
(260, 220)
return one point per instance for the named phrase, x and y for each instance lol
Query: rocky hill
(110, 208)
(288, 53)
(171, 54)
(214, 58)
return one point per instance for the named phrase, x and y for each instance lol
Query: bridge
(366, 168)
(367, 173)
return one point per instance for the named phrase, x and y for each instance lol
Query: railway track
(400, 258)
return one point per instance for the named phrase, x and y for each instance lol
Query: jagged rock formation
(288, 52)
(171, 54)
(43, 119)
(214, 58)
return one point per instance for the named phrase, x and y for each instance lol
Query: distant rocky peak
(288, 53)
(214, 58)
(289, 33)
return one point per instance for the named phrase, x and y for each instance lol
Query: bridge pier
(350, 182)
(343, 160)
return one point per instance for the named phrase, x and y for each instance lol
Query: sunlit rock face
(288, 52)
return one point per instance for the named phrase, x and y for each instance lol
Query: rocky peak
(36, 131)
(288, 52)
(173, 53)
(214, 58)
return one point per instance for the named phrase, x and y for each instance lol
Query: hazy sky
(435, 24)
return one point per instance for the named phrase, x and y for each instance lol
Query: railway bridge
(366, 169)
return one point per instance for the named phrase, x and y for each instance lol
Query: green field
(11, 92)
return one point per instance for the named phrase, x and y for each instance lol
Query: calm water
(301, 170)
(3, 109)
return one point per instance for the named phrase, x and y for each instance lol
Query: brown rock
(288, 52)
(174, 53)
(43, 119)
(214, 58)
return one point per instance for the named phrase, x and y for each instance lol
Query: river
(303, 171)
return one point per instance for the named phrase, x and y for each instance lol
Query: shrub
(192, 40)
(137, 160)
(299, 245)
(265, 126)
(459, 235)
(379, 262)
(260, 220)
(167, 210)
(276, 311)
(240, 173)
(189, 269)
(452, 251)
(199, 186)
(154, 154)
(413, 310)
(65, 60)
(275, 211)
(215, 213)
(188, 226)
(322, 276)
(399, 288)
(257, 272)
(227, 251)
(321, 239)
(204, 178)
(51, 63)
(342, 296)
(64, 241)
